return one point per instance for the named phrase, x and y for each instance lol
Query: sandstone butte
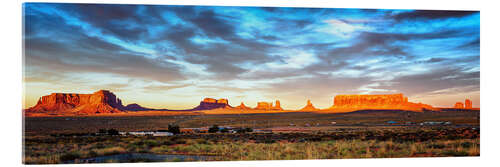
(269, 106)
(102, 101)
(211, 103)
(387, 101)
(460, 105)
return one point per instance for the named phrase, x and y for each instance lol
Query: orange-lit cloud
(174, 56)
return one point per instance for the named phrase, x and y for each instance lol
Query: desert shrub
(161, 149)
(436, 145)
(111, 151)
(466, 144)
(113, 132)
(175, 129)
(132, 147)
(151, 143)
(179, 141)
(269, 141)
(99, 145)
(92, 153)
(49, 159)
(102, 131)
(168, 142)
(244, 130)
(213, 129)
(202, 141)
(454, 153)
(70, 156)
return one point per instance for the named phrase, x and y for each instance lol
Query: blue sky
(174, 56)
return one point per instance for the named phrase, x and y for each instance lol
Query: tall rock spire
(309, 107)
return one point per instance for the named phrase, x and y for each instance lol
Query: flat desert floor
(275, 136)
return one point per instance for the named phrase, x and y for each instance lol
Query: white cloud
(294, 59)
(370, 88)
(341, 28)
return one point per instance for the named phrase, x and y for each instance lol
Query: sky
(174, 56)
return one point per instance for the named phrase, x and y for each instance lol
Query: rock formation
(242, 107)
(264, 105)
(136, 107)
(102, 101)
(468, 104)
(269, 106)
(309, 107)
(459, 105)
(277, 106)
(388, 101)
(210, 103)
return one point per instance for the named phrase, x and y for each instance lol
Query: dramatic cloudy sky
(174, 56)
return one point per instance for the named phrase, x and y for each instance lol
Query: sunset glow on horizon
(172, 57)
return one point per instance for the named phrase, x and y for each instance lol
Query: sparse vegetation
(175, 129)
(399, 142)
(62, 140)
(213, 129)
(51, 125)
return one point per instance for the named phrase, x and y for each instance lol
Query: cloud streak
(248, 53)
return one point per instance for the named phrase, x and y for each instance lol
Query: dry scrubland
(50, 125)
(356, 135)
(427, 142)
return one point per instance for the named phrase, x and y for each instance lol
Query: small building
(435, 123)
(263, 131)
(162, 134)
(147, 133)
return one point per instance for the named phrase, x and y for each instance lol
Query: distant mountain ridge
(136, 107)
(104, 101)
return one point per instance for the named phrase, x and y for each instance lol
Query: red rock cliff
(388, 101)
(102, 101)
(459, 105)
(264, 105)
(211, 103)
(269, 106)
